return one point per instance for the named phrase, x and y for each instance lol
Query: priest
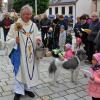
(21, 44)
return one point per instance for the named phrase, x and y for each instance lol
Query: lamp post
(35, 7)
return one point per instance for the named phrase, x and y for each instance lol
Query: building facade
(96, 6)
(10, 5)
(70, 7)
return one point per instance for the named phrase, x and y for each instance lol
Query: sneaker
(17, 96)
(29, 93)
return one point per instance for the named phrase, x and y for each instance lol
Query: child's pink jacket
(68, 54)
(94, 86)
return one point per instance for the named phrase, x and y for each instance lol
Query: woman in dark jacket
(92, 33)
(97, 42)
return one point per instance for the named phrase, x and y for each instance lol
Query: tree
(42, 5)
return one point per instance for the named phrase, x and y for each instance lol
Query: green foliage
(42, 5)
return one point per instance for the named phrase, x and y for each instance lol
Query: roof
(62, 2)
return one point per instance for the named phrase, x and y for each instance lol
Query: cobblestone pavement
(62, 90)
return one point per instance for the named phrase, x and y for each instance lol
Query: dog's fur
(73, 64)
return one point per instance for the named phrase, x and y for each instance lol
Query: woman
(94, 28)
(6, 24)
(22, 40)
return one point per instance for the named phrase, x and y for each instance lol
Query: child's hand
(92, 78)
(85, 75)
(61, 58)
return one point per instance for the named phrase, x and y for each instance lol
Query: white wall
(60, 9)
(83, 7)
(98, 6)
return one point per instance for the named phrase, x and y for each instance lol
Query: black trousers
(95, 98)
(90, 50)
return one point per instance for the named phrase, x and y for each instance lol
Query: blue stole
(15, 58)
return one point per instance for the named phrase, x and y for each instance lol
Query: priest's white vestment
(28, 72)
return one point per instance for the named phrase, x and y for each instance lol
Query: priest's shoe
(29, 93)
(17, 96)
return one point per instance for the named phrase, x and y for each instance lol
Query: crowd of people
(88, 30)
(56, 36)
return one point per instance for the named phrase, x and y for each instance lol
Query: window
(50, 11)
(70, 10)
(63, 10)
(56, 10)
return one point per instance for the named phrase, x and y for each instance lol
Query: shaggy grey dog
(73, 64)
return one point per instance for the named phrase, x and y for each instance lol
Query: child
(62, 37)
(94, 82)
(50, 39)
(68, 52)
(78, 42)
(62, 55)
(69, 37)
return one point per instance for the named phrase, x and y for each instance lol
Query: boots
(17, 96)
(29, 93)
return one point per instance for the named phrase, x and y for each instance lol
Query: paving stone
(61, 98)
(71, 91)
(70, 85)
(46, 84)
(78, 89)
(4, 76)
(62, 93)
(54, 95)
(84, 87)
(2, 83)
(58, 88)
(8, 88)
(81, 93)
(45, 98)
(11, 75)
(10, 82)
(46, 79)
(87, 98)
(83, 81)
(71, 97)
(1, 89)
(80, 99)
(6, 97)
(37, 99)
(66, 80)
(6, 93)
(40, 86)
(43, 91)
(60, 81)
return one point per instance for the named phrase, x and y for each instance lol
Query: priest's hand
(38, 41)
(17, 40)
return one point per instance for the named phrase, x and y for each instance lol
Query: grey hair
(26, 7)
